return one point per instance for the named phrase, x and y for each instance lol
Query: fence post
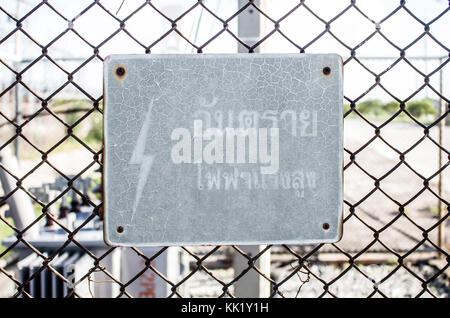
(20, 207)
(252, 284)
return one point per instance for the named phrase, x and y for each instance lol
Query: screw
(326, 70)
(325, 226)
(120, 229)
(120, 71)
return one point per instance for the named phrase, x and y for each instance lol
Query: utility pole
(252, 284)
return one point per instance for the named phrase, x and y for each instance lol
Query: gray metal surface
(169, 180)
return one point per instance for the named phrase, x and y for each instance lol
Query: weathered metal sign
(223, 149)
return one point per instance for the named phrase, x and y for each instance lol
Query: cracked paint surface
(160, 203)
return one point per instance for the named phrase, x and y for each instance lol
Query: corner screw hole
(120, 71)
(120, 229)
(326, 70)
(326, 226)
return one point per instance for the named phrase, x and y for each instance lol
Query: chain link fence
(396, 157)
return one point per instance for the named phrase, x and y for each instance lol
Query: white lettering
(242, 145)
(181, 151)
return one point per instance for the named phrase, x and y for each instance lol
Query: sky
(301, 27)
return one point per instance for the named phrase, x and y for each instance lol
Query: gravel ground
(355, 284)
(352, 284)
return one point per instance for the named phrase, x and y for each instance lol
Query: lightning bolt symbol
(140, 158)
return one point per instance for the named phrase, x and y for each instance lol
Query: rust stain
(120, 72)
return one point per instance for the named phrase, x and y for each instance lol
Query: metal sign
(223, 149)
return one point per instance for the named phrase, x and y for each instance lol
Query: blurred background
(396, 128)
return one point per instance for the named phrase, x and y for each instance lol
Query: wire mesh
(366, 225)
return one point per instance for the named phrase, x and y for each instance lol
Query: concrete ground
(401, 185)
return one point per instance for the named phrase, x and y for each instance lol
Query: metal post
(20, 207)
(248, 26)
(252, 284)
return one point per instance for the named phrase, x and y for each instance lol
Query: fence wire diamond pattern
(301, 262)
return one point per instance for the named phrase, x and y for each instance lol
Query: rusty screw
(325, 226)
(120, 71)
(120, 229)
